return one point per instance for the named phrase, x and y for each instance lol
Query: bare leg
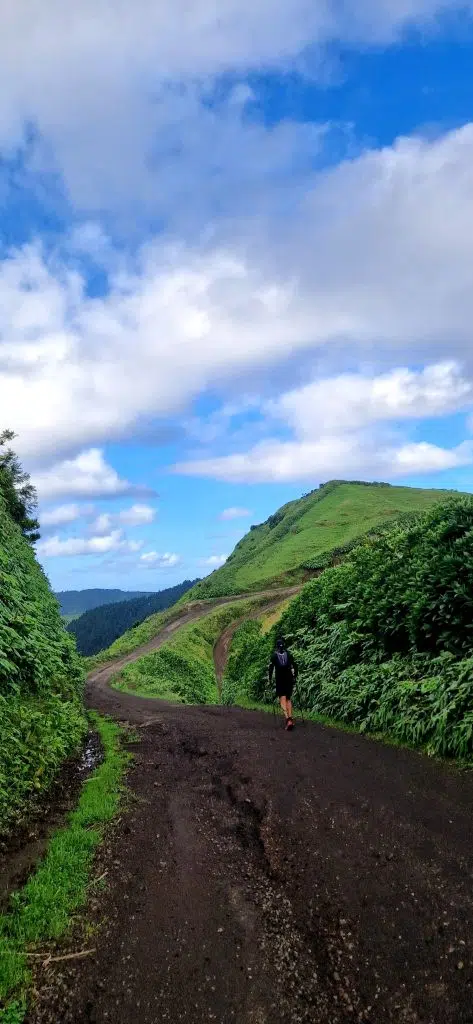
(288, 707)
(283, 703)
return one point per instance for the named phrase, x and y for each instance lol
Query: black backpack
(283, 658)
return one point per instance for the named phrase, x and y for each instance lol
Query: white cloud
(102, 525)
(338, 428)
(235, 513)
(56, 546)
(333, 456)
(164, 561)
(99, 80)
(87, 475)
(379, 262)
(137, 515)
(353, 400)
(214, 561)
(61, 515)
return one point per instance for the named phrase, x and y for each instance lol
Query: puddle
(91, 755)
(20, 854)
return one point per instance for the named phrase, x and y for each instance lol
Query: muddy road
(260, 877)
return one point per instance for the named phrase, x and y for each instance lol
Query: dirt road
(259, 877)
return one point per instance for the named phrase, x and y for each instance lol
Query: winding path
(259, 877)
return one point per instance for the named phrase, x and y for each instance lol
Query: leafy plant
(384, 641)
(41, 716)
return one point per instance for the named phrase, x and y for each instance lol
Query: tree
(18, 491)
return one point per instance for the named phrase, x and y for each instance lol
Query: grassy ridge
(384, 642)
(305, 532)
(41, 717)
(41, 911)
(183, 669)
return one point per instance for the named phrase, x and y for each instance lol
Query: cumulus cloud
(338, 430)
(235, 513)
(353, 400)
(137, 515)
(87, 78)
(159, 561)
(87, 475)
(378, 267)
(56, 546)
(284, 461)
(62, 515)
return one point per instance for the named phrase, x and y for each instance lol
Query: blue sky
(236, 261)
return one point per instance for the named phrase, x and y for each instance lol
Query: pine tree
(18, 491)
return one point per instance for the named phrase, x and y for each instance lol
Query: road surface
(260, 877)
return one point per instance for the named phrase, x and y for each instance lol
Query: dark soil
(20, 852)
(261, 877)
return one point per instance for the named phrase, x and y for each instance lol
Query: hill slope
(41, 717)
(99, 627)
(279, 551)
(76, 602)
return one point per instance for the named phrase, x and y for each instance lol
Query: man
(283, 665)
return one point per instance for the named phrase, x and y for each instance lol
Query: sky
(236, 261)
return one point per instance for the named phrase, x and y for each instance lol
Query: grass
(182, 670)
(43, 910)
(275, 553)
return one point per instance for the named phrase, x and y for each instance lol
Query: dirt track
(260, 877)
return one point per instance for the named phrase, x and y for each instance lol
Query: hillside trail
(261, 877)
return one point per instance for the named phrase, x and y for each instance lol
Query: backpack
(283, 658)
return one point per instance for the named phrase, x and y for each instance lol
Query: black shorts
(284, 688)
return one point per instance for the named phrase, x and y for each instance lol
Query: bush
(41, 717)
(384, 641)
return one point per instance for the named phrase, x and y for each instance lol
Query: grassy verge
(183, 669)
(41, 912)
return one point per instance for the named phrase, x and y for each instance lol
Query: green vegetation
(17, 491)
(41, 717)
(383, 641)
(182, 670)
(309, 534)
(41, 912)
(98, 628)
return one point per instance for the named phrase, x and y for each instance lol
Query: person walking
(283, 666)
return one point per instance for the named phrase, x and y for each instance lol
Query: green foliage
(310, 534)
(18, 492)
(42, 910)
(183, 668)
(384, 641)
(38, 734)
(41, 720)
(247, 664)
(98, 628)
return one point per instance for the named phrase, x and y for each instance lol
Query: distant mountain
(75, 602)
(98, 628)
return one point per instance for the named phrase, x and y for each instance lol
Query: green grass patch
(44, 909)
(182, 670)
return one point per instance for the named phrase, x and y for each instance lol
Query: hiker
(282, 663)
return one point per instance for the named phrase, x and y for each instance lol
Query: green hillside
(301, 535)
(41, 716)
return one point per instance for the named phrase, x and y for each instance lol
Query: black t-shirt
(283, 663)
